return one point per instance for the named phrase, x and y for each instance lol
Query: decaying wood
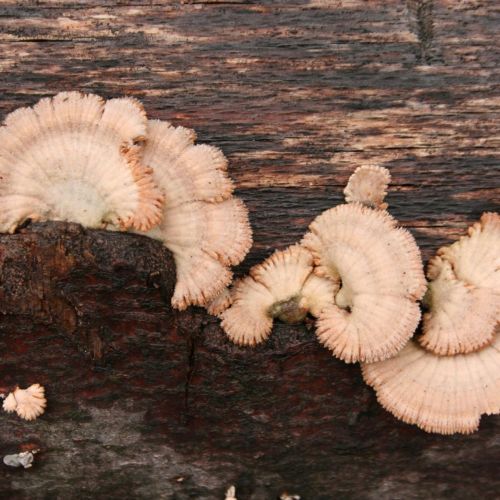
(148, 403)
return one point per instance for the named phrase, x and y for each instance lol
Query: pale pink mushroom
(76, 157)
(28, 403)
(464, 291)
(282, 287)
(442, 394)
(203, 225)
(368, 186)
(379, 270)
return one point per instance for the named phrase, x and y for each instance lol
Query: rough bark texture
(148, 403)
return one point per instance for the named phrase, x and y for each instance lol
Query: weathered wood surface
(297, 94)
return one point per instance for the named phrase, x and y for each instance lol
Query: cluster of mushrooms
(103, 164)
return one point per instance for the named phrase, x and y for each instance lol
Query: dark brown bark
(297, 94)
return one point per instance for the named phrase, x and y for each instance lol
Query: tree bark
(145, 402)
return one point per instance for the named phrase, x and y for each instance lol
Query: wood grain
(297, 94)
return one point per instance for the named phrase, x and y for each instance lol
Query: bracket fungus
(28, 403)
(75, 157)
(102, 164)
(368, 186)
(283, 287)
(443, 394)
(378, 269)
(464, 291)
(204, 226)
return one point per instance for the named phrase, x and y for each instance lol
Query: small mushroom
(378, 268)
(75, 157)
(282, 287)
(475, 258)
(461, 317)
(231, 493)
(28, 403)
(442, 394)
(463, 299)
(368, 186)
(206, 229)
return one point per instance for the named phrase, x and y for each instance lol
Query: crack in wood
(422, 23)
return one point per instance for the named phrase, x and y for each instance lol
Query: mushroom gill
(282, 287)
(378, 268)
(203, 225)
(442, 394)
(463, 298)
(75, 157)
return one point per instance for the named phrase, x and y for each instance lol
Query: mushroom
(28, 403)
(203, 225)
(368, 186)
(378, 269)
(463, 299)
(461, 317)
(443, 394)
(282, 287)
(75, 157)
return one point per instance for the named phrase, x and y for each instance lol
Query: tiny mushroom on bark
(203, 225)
(368, 186)
(76, 157)
(28, 403)
(464, 291)
(442, 394)
(378, 269)
(282, 287)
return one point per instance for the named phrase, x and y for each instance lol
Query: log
(148, 403)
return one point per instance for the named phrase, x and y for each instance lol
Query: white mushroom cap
(27, 403)
(443, 394)
(368, 186)
(461, 317)
(380, 271)
(76, 157)
(274, 289)
(205, 228)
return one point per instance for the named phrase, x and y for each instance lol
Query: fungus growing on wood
(464, 291)
(27, 403)
(461, 317)
(443, 394)
(220, 302)
(368, 186)
(203, 225)
(75, 157)
(282, 287)
(379, 271)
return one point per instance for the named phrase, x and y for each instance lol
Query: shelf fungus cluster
(103, 164)
(450, 375)
(355, 270)
(361, 277)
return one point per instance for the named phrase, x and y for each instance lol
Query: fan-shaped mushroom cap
(274, 289)
(443, 394)
(27, 403)
(368, 186)
(461, 317)
(76, 157)
(475, 258)
(380, 271)
(205, 228)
